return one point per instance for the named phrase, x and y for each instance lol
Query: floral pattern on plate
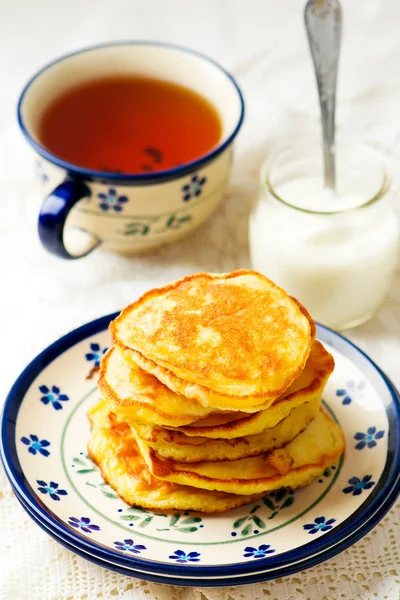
(84, 524)
(321, 524)
(278, 523)
(35, 445)
(368, 439)
(128, 545)
(260, 552)
(357, 485)
(53, 396)
(352, 390)
(182, 557)
(96, 353)
(51, 488)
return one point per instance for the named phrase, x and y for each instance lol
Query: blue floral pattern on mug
(181, 557)
(36, 445)
(129, 546)
(320, 524)
(260, 552)
(111, 200)
(53, 397)
(52, 489)
(83, 524)
(96, 354)
(352, 391)
(193, 189)
(368, 439)
(357, 485)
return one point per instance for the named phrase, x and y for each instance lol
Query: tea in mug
(130, 125)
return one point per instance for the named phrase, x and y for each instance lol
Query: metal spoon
(323, 20)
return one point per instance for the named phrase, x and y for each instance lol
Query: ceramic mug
(129, 213)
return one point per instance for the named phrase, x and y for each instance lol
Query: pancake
(297, 464)
(112, 447)
(177, 446)
(228, 341)
(135, 395)
(308, 387)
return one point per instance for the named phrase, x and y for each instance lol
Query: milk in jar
(335, 251)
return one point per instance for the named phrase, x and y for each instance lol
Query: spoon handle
(323, 20)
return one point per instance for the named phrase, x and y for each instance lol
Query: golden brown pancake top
(237, 334)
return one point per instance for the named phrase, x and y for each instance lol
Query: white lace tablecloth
(263, 43)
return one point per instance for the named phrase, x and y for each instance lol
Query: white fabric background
(263, 43)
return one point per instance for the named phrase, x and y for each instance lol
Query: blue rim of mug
(388, 485)
(131, 177)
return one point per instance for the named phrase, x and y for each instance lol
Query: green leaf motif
(109, 494)
(268, 502)
(80, 471)
(136, 229)
(259, 522)
(288, 502)
(239, 522)
(78, 461)
(280, 495)
(145, 522)
(129, 518)
(175, 222)
(191, 520)
(174, 519)
(137, 509)
(176, 525)
(275, 502)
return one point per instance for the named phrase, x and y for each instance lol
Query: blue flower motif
(129, 546)
(111, 200)
(36, 445)
(260, 552)
(368, 439)
(193, 189)
(83, 524)
(181, 557)
(320, 524)
(52, 489)
(351, 391)
(53, 397)
(95, 354)
(358, 485)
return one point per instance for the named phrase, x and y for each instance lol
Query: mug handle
(54, 213)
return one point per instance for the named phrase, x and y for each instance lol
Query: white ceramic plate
(44, 437)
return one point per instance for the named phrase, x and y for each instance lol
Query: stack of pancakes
(211, 396)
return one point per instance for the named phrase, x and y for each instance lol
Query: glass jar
(335, 252)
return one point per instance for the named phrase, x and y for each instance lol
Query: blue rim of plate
(252, 578)
(340, 537)
(150, 178)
